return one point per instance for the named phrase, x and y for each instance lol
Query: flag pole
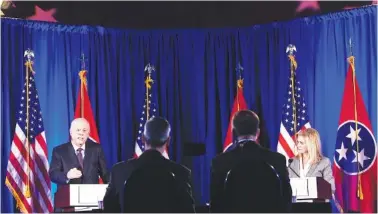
(360, 194)
(83, 83)
(293, 66)
(239, 69)
(28, 64)
(148, 83)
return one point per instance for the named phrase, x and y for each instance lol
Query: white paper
(302, 187)
(299, 187)
(90, 195)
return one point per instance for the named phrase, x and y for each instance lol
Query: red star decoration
(41, 15)
(312, 5)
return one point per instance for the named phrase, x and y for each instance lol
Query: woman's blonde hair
(313, 144)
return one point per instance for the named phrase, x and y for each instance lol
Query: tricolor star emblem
(355, 148)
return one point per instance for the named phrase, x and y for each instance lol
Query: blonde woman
(310, 162)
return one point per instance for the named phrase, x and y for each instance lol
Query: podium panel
(311, 195)
(310, 189)
(79, 197)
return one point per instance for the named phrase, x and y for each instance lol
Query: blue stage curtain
(196, 79)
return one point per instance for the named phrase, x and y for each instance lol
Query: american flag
(20, 175)
(294, 117)
(150, 110)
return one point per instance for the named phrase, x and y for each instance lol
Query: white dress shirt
(303, 170)
(76, 147)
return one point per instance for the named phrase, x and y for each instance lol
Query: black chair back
(150, 189)
(253, 186)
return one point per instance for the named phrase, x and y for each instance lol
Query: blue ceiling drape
(196, 79)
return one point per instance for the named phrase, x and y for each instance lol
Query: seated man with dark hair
(156, 137)
(245, 128)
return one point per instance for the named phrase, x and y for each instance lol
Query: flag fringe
(19, 203)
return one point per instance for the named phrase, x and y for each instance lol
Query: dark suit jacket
(64, 158)
(224, 162)
(122, 171)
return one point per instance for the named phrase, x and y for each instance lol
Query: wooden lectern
(79, 197)
(311, 194)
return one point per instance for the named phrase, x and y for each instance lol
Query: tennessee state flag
(355, 159)
(84, 109)
(239, 104)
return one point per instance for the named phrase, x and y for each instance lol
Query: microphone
(289, 166)
(290, 160)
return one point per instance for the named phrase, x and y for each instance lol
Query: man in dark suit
(245, 126)
(156, 139)
(79, 161)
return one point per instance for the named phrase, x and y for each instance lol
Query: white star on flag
(361, 157)
(352, 135)
(342, 152)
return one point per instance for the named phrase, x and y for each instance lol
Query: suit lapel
(87, 158)
(72, 155)
(296, 166)
(311, 170)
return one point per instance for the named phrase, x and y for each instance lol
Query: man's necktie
(79, 155)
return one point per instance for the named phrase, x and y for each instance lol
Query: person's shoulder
(119, 165)
(274, 155)
(129, 161)
(61, 146)
(223, 156)
(179, 168)
(325, 161)
(92, 144)
(295, 159)
(122, 165)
